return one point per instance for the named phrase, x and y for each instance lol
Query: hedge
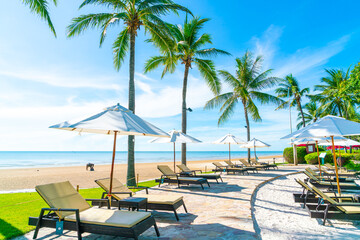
(288, 154)
(312, 158)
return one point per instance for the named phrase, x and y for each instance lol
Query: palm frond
(120, 48)
(208, 72)
(218, 100)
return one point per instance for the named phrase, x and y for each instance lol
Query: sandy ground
(279, 217)
(26, 179)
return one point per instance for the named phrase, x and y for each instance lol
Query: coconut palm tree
(334, 95)
(312, 112)
(247, 87)
(40, 7)
(185, 45)
(290, 88)
(133, 15)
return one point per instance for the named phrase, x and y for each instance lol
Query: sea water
(31, 159)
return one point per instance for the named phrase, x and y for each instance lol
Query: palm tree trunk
(131, 139)
(340, 113)
(247, 128)
(183, 119)
(301, 111)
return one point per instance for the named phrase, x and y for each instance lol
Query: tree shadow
(8, 230)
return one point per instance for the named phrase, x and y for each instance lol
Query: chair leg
(208, 183)
(216, 180)
(176, 216)
(184, 207)
(160, 181)
(156, 229)
(221, 179)
(326, 213)
(202, 186)
(38, 224)
(78, 224)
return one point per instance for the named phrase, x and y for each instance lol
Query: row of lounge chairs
(243, 167)
(66, 204)
(321, 199)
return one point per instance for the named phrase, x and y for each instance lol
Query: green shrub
(288, 154)
(312, 158)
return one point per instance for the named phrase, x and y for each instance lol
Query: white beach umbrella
(229, 139)
(175, 137)
(329, 126)
(115, 120)
(255, 143)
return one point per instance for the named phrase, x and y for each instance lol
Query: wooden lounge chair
(329, 184)
(342, 169)
(233, 165)
(185, 171)
(256, 162)
(66, 205)
(332, 209)
(309, 196)
(168, 202)
(221, 168)
(328, 178)
(331, 173)
(259, 167)
(169, 176)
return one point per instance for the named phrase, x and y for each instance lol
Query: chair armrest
(130, 193)
(99, 200)
(197, 170)
(61, 209)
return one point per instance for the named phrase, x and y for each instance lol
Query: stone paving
(222, 211)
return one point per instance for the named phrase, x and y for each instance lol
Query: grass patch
(16, 208)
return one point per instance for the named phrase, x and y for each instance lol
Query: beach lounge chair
(169, 176)
(332, 168)
(233, 165)
(67, 206)
(325, 172)
(309, 196)
(328, 208)
(256, 162)
(168, 202)
(327, 178)
(259, 167)
(330, 184)
(185, 171)
(221, 168)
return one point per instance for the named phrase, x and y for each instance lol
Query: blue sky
(46, 80)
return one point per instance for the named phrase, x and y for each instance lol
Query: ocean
(32, 159)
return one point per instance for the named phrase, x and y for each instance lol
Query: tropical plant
(247, 86)
(311, 114)
(133, 14)
(290, 88)
(185, 45)
(40, 7)
(334, 95)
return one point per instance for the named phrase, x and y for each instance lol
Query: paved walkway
(222, 211)
(279, 217)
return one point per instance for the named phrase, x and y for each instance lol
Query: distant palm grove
(188, 47)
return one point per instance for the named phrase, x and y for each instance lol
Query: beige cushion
(161, 199)
(62, 195)
(117, 186)
(189, 179)
(101, 216)
(351, 209)
(183, 168)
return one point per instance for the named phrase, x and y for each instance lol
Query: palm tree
(185, 45)
(289, 88)
(133, 14)
(334, 95)
(248, 85)
(312, 113)
(40, 7)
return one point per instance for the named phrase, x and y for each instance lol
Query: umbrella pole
(336, 168)
(229, 153)
(174, 157)
(340, 158)
(317, 149)
(255, 153)
(112, 165)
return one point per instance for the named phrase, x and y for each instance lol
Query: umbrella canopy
(320, 141)
(175, 137)
(344, 142)
(329, 126)
(255, 143)
(326, 127)
(229, 139)
(115, 120)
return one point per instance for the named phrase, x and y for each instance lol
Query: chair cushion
(107, 217)
(161, 199)
(351, 209)
(190, 179)
(208, 175)
(62, 195)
